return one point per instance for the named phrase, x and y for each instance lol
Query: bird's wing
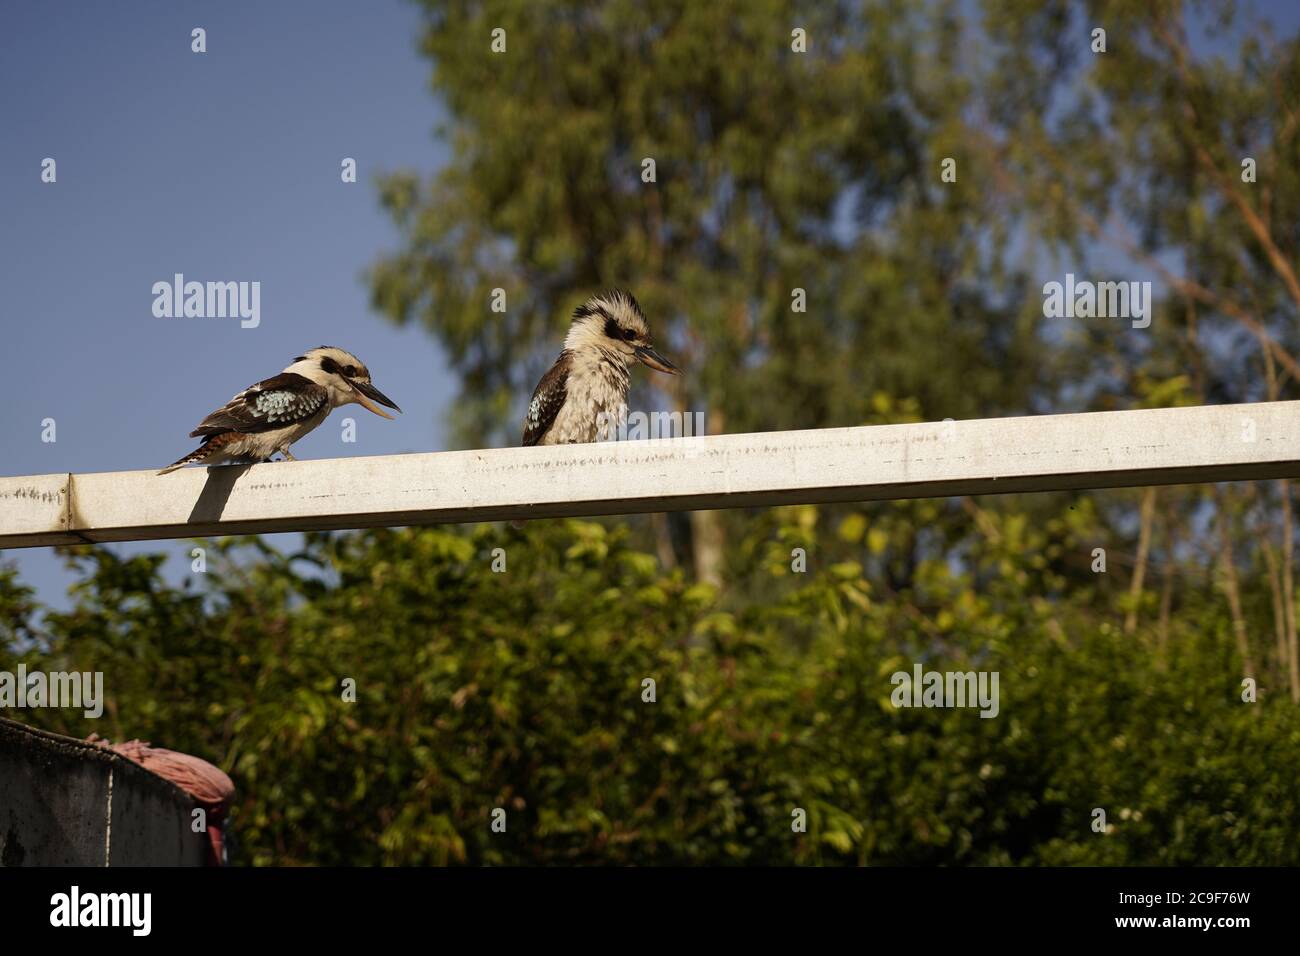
(283, 400)
(547, 400)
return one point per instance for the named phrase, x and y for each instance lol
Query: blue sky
(222, 166)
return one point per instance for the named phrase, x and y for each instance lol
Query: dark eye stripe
(612, 329)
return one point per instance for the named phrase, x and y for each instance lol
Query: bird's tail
(198, 454)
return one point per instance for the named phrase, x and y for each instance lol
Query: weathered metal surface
(1041, 453)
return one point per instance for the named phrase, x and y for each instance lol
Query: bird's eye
(350, 371)
(629, 334)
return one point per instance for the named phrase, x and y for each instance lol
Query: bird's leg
(287, 457)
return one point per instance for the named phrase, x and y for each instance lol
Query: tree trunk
(1279, 614)
(1232, 590)
(1166, 602)
(1140, 571)
(708, 540)
(663, 541)
(1288, 587)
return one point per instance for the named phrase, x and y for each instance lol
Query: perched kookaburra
(270, 416)
(588, 382)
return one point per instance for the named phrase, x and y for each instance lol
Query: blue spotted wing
(283, 400)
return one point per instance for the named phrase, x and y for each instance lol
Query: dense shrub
(524, 690)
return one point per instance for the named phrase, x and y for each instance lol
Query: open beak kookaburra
(587, 385)
(270, 416)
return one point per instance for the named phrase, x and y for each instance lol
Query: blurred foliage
(774, 170)
(523, 690)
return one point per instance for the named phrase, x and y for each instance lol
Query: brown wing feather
(273, 403)
(547, 400)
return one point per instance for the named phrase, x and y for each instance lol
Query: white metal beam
(1042, 453)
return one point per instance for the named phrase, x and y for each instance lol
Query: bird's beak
(365, 392)
(650, 357)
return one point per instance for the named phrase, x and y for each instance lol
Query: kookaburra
(270, 416)
(587, 385)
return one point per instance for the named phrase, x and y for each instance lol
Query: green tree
(525, 691)
(775, 170)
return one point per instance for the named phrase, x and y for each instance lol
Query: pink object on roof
(209, 787)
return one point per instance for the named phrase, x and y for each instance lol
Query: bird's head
(344, 376)
(614, 322)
